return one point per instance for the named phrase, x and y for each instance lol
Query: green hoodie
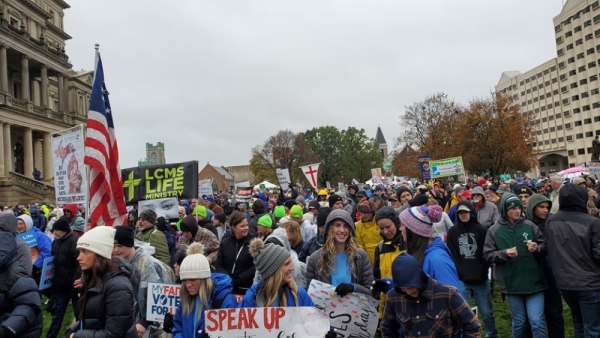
(534, 200)
(521, 275)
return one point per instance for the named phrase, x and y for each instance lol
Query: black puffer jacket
(66, 269)
(235, 260)
(20, 308)
(109, 311)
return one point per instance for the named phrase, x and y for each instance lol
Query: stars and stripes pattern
(107, 200)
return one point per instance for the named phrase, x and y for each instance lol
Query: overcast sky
(212, 79)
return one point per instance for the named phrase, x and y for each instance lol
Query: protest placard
(265, 322)
(594, 167)
(446, 167)
(242, 195)
(47, 273)
(162, 299)
(70, 181)
(163, 207)
(283, 175)
(205, 187)
(29, 238)
(354, 315)
(341, 187)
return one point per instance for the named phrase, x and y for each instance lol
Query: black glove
(168, 323)
(204, 334)
(344, 289)
(331, 334)
(381, 285)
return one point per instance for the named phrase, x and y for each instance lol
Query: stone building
(40, 94)
(155, 154)
(221, 178)
(242, 173)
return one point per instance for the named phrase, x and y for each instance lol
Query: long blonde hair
(328, 253)
(294, 228)
(188, 302)
(271, 288)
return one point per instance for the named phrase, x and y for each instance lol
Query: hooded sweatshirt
(465, 242)
(510, 272)
(44, 244)
(534, 200)
(438, 311)
(487, 213)
(76, 222)
(439, 265)
(8, 223)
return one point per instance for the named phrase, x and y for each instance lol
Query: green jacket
(521, 275)
(158, 240)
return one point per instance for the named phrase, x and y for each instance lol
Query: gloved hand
(331, 334)
(204, 334)
(344, 289)
(381, 285)
(168, 323)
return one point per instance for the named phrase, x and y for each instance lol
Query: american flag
(107, 200)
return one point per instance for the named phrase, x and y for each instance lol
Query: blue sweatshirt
(438, 263)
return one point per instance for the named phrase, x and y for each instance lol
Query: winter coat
(465, 242)
(310, 247)
(308, 231)
(216, 209)
(108, 310)
(534, 200)
(20, 308)
(44, 244)
(253, 225)
(488, 214)
(439, 265)
(250, 300)
(66, 267)
(368, 237)
(440, 229)
(39, 220)
(235, 260)
(158, 240)
(438, 311)
(222, 293)
(207, 224)
(385, 253)
(8, 223)
(146, 269)
(362, 274)
(509, 271)
(573, 240)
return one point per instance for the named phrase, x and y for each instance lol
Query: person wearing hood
(106, 306)
(259, 209)
(38, 218)
(20, 308)
(465, 242)
(9, 223)
(391, 245)
(538, 211)
(66, 271)
(201, 290)
(76, 222)
(495, 183)
(148, 233)
(39, 251)
(54, 216)
(367, 232)
(146, 269)
(574, 248)
(316, 242)
(191, 232)
(418, 305)
(431, 253)
(516, 246)
(456, 197)
(341, 262)
(280, 237)
(352, 190)
(487, 212)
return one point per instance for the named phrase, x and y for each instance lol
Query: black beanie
(61, 224)
(124, 236)
(221, 218)
(189, 224)
(401, 190)
(322, 216)
(418, 200)
(333, 199)
(389, 213)
(289, 203)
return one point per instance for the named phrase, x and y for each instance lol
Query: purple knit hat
(420, 219)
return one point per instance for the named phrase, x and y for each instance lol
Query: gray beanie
(339, 214)
(268, 258)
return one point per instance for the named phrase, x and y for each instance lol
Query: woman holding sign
(201, 290)
(40, 245)
(340, 262)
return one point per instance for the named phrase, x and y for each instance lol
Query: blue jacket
(44, 246)
(249, 299)
(39, 221)
(439, 265)
(183, 324)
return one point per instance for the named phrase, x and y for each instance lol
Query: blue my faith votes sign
(47, 273)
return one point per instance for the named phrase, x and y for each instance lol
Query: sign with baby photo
(354, 315)
(70, 181)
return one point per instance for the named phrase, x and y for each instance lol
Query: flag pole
(87, 167)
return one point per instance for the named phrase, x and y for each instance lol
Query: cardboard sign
(47, 273)
(163, 298)
(446, 167)
(151, 182)
(265, 322)
(376, 176)
(354, 315)
(70, 180)
(283, 175)
(242, 195)
(29, 238)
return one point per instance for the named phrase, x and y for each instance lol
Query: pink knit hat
(420, 219)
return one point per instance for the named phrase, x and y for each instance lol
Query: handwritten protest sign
(47, 273)
(265, 322)
(162, 298)
(70, 180)
(354, 315)
(29, 238)
(283, 175)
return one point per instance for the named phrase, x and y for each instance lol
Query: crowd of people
(424, 252)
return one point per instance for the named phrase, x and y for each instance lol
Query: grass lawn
(48, 319)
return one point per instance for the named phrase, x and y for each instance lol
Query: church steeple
(383, 149)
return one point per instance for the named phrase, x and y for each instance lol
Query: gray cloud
(211, 79)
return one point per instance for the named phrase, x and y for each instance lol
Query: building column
(48, 172)
(8, 160)
(3, 70)
(25, 78)
(66, 95)
(44, 91)
(61, 92)
(36, 92)
(2, 159)
(28, 153)
(38, 154)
